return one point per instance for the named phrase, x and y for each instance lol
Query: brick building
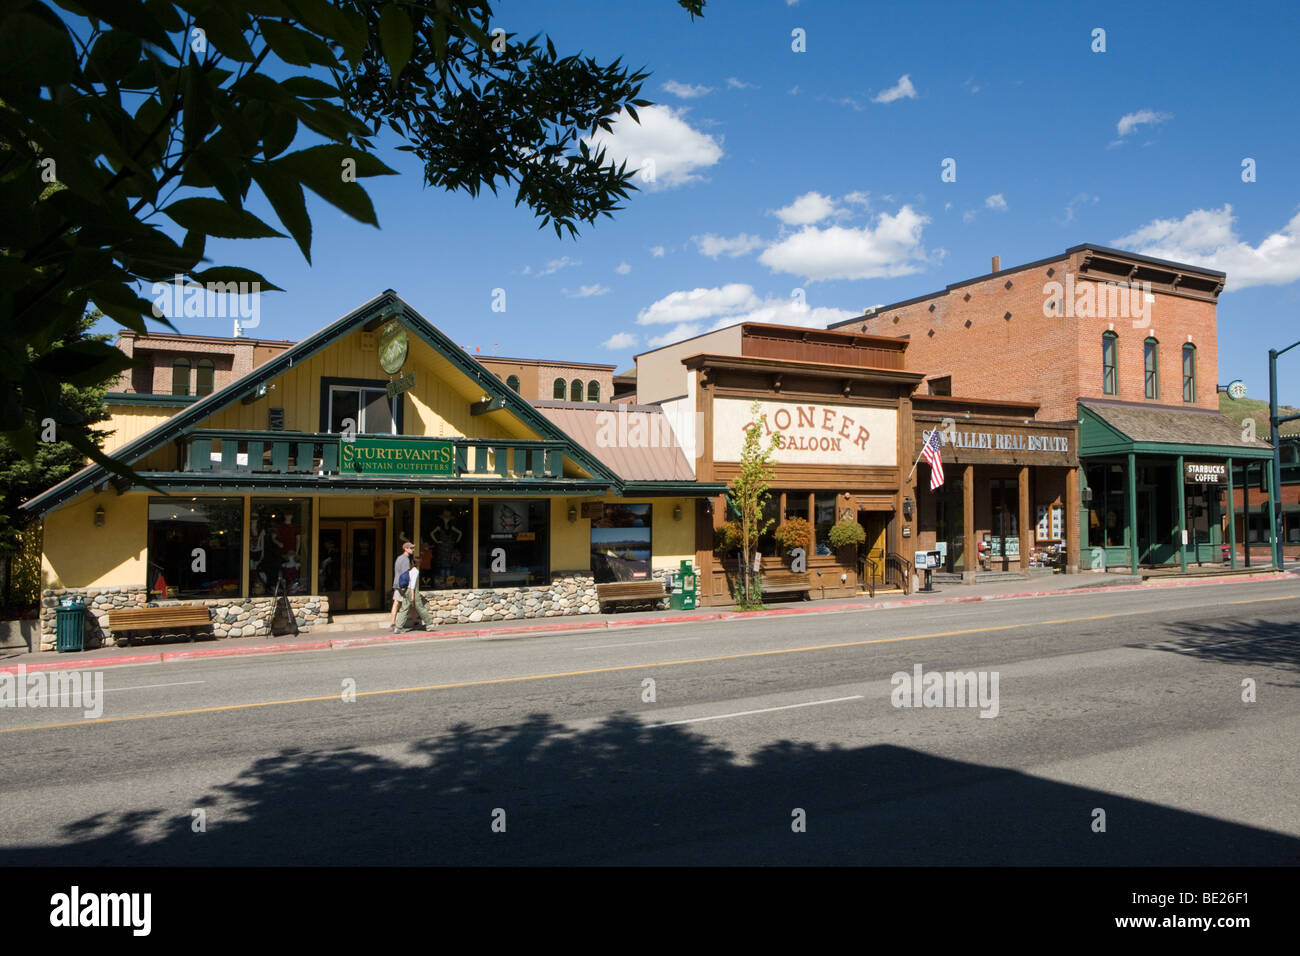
(1122, 344)
(548, 380)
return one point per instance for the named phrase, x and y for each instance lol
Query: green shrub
(794, 533)
(846, 533)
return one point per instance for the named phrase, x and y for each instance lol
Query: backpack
(404, 580)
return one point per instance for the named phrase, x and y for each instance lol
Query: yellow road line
(599, 670)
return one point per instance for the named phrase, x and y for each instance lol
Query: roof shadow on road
(1268, 642)
(625, 794)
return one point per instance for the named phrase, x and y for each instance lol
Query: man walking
(406, 573)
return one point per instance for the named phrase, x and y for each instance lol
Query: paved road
(1127, 705)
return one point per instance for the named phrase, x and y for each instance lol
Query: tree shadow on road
(623, 793)
(1271, 643)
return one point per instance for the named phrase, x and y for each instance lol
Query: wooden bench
(786, 582)
(623, 592)
(158, 618)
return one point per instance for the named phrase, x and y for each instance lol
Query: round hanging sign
(392, 347)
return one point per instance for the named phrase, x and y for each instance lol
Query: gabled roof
(384, 306)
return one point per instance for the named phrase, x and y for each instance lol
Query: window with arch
(181, 376)
(513, 382)
(205, 377)
(575, 390)
(593, 391)
(557, 390)
(1151, 367)
(1109, 372)
(1189, 373)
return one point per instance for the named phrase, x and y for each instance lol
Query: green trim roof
(1120, 428)
(386, 305)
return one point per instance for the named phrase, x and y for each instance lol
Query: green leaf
(286, 42)
(216, 218)
(284, 193)
(396, 38)
(236, 274)
(321, 169)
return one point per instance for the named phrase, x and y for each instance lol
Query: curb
(427, 636)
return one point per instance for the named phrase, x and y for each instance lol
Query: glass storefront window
(766, 542)
(446, 545)
(279, 545)
(824, 512)
(1107, 515)
(514, 543)
(178, 527)
(796, 504)
(620, 543)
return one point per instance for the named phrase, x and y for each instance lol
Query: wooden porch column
(971, 547)
(1073, 524)
(1182, 517)
(1232, 520)
(1132, 514)
(1026, 536)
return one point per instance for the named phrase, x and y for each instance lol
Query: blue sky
(819, 171)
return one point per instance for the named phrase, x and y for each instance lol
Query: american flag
(931, 456)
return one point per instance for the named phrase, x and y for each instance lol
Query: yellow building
(304, 476)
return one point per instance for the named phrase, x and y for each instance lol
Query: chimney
(997, 263)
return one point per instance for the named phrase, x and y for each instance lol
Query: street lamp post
(1275, 423)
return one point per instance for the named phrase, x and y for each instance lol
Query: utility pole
(1275, 423)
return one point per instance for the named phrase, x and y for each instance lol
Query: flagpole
(918, 460)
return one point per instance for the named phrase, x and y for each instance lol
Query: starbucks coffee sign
(809, 433)
(1205, 472)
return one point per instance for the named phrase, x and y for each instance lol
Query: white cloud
(790, 312)
(555, 265)
(714, 246)
(657, 251)
(687, 91)
(733, 83)
(587, 291)
(682, 330)
(620, 340)
(1082, 199)
(858, 198)
(1206, 237)
(794, 90)
(663, 146)
(902, 90)
(695, 304)
(809, 208)
(1131, 121)
(892, 248)
(623, 268)
(969, 215)
(996, 202)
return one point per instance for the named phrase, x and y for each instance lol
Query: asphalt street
(1116, 733)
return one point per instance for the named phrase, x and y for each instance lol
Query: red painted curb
(682, 619)
(541, 628)
(245, 651)
(81, 663)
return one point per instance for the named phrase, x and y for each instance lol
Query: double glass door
(352, 564)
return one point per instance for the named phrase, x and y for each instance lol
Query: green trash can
(70, 625)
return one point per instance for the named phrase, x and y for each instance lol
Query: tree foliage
(748, 495)
(161, 116)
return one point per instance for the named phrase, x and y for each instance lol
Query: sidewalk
(1044, 586)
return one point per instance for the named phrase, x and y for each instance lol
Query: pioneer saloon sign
(809, 433)
(384, 456)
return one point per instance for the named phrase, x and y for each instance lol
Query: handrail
(902, 568)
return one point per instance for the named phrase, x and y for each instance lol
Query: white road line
(112, 690)
(746, 713)
(674, 640)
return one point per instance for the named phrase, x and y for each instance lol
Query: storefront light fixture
(907, 509)
(677, 512)
(99, 517)
(573, 514)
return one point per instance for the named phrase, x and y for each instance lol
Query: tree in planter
(748, 496)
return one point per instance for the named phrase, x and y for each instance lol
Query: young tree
(127, 102)
(748, 496)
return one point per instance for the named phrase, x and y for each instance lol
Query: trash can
(683, 592)
(70, 626)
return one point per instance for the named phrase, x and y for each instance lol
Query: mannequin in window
(446, 540)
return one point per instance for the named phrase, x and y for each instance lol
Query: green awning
(1121, 428)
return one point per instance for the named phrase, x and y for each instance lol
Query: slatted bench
(786, 582)
(122, 620)
(626, 592)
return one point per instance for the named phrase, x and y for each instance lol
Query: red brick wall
(1027, 356)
